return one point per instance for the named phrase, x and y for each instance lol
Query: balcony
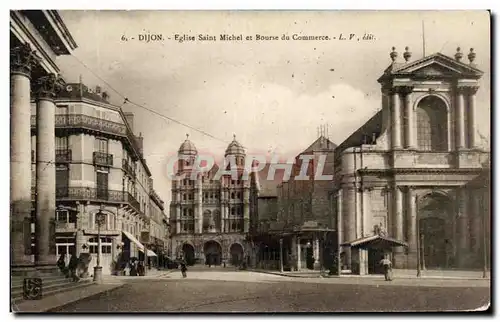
(103, 159)
(63, 156)
(132, 201)
(65, 227)
(86, 122)
(127, 167)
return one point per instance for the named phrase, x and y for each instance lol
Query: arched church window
(432, 125)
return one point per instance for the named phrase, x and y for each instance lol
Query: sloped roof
(321, 144)
(372, 127)
(375, 241)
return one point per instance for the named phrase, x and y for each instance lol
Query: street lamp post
(100, 217)
(485, 255)
(419, 273)
(281, 255)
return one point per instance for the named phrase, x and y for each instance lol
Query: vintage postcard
(250, 161)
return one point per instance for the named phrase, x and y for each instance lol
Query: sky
(273, 95)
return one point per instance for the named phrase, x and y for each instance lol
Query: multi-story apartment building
(159, 238)
(100, 168)
(211, 216)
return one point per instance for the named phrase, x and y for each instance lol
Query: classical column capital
(22, 59)
(467, 90)
(402, 90)
(47, 87)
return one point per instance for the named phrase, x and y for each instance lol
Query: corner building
(98, 166)
(406, 171)
(211, 218)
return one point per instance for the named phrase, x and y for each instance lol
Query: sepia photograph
(250, 161)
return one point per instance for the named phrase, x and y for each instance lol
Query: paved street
(226, 291)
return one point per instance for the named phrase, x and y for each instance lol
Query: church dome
(235, 148)
(187, 147)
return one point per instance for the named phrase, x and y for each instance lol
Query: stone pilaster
(80, 221)
(21, 60)
(398, 225)
(472, 116)
(411, 220)
(476, 222)
(395, 118)
(463, 228)
(409, 125)
(46, 89)
(316, 253)
(460, 125)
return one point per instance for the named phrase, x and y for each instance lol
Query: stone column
(410, 120)
(79, 237)
(411, 219)
(472, 116)
(460, 127)
(463, 229)
(316, 253)
(47, 87)
(396, 118)
(349, 208)
(21, 60)
(398, 225)
(177, 218)
(299, 264)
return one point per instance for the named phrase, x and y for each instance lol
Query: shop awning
(138, 244)
(376, 241)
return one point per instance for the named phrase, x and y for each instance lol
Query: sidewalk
(149, 274)
(60, 299)
(398, 273)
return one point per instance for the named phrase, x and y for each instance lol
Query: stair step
(54, 289)
(45, 281)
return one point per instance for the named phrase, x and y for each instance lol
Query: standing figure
(387, 264)
(183, 268)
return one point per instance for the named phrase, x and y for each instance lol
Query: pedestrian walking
(184, 268)
(386, 263)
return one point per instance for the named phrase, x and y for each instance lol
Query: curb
(377, 277)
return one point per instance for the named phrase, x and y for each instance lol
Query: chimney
(98, 90)
(139, 140)
(130, 120)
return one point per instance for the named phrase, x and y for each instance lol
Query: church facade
(406, 171)
(211, 214)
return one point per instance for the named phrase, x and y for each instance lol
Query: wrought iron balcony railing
(82, 121)
(94, 194)
(63, 156)
(127, 167)
(104, 159)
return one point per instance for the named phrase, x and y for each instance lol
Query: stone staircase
(52, 283)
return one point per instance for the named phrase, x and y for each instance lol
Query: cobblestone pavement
(254, 292)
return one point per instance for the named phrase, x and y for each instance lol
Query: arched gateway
(213, 253)
(436, 222)
(236, 251)
(188, 253)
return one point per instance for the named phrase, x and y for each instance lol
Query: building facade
(211, 215)
(99, 167)
(405, 171)
(296, 222)
(37, 37)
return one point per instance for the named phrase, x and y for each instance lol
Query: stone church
(211, 216)
(406, 171)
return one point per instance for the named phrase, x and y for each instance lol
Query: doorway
(213, 253)
(188, 251)
(374, 257)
